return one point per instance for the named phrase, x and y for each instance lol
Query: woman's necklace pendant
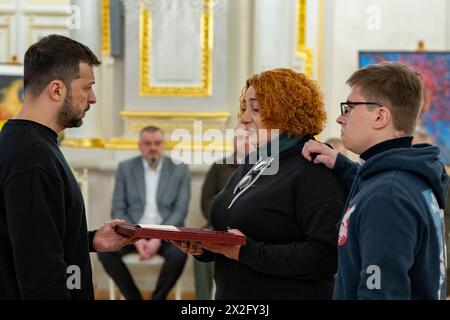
(245, 181)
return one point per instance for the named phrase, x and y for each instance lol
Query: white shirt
(151, 213)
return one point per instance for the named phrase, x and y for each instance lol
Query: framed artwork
(11, 91)
(435, 69)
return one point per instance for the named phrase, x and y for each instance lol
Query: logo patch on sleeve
(345, 224)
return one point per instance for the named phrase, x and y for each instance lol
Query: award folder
(179, 234)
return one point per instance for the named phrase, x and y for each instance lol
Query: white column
(274, 35)
(239, 53)
(89, 34)
(447, 38)
(332, 129)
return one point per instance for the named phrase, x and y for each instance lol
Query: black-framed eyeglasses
(347, 106)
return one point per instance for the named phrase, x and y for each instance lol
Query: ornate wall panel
(105, 24)
(179, 51)
(288, 34)
(40, 26)
(23, 21)
(176, 48)
(6, 51)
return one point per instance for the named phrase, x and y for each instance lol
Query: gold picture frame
(11, 91)
(146, 88)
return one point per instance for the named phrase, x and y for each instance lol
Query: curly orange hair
(289, 101)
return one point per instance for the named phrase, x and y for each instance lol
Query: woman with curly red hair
(289, 217)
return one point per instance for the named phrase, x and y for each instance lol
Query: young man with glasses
(391, 237)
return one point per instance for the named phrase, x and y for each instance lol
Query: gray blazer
(172, 195)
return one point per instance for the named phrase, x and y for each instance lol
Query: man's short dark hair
(151, 129)
(395, 85)
(55, 57)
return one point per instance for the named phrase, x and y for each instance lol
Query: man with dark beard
(44, 242)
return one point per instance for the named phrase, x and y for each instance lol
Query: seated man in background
(149, 189)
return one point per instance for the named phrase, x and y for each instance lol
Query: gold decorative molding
(45, 11)
(56, 28)
(6, 25)
(116, 143)
(121, 144)
(132, 144)
(135, 126)
(176, 114)
(168, 121)
(61, 2)
(302, 49)
(320, 57)
(83, 143)
(171, 121)
(105, 24)
(145, 39)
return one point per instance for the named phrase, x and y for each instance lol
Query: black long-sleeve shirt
(215, 180)
(44, 243)
(290, 220)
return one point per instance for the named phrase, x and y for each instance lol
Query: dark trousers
(204, 278)
(174, 261)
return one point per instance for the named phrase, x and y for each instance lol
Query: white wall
(214, 103)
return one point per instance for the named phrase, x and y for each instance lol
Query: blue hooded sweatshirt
(391, 237)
